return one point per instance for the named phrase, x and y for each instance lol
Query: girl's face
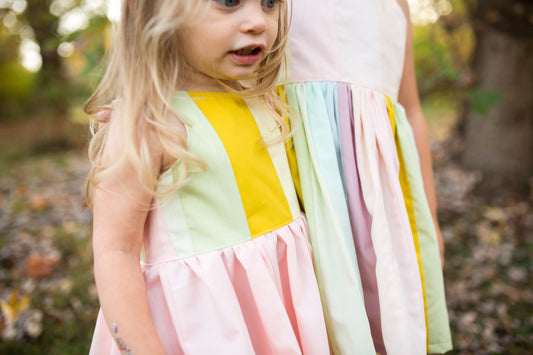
(227, 43)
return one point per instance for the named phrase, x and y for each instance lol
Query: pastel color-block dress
(374, 243)
(226, 258)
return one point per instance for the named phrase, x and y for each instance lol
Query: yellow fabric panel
(262, 196)
(406, 189)
(291, 156)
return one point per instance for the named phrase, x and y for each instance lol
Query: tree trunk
(51, 77)
(500, 143)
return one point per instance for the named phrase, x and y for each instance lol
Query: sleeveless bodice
(356, 41)
(246, 191)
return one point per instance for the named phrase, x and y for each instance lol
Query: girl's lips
(247, 56)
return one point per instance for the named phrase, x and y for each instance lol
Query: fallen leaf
(21, 191)
(39, 203)
(14, 306)
(38, 266)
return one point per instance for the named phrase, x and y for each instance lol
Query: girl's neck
(202, 82)
(199, 87)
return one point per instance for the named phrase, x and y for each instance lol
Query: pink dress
(226, 258)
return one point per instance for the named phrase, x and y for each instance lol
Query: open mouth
(250, 55)
(247, 51)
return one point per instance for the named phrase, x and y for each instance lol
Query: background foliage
(48, 300)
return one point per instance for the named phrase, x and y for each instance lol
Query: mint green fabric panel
(338, 277)
(210, 227)
(174, 217)
(439, 337)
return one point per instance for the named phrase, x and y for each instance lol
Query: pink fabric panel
(359, 217)
(312, 41)
(399, 285)
(258, 297)
(391, 303)
(160, 247)
(400, 229)
(355, 41)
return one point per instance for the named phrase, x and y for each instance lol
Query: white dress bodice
(370, 53)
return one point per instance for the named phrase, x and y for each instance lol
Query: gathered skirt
(375, 247)
(257, 297)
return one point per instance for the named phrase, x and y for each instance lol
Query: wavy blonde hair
(143, 71)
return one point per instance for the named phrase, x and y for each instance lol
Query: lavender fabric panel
(360, 219)
(398, 334)
(330, 232)
(399, 229)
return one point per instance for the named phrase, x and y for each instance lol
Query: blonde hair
(143, 71)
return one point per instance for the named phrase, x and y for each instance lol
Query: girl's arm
(120, 207)
(409, 99)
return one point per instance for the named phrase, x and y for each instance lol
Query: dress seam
(251, 239)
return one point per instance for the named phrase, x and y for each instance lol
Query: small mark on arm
(121, 344)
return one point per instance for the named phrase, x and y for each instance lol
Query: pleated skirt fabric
(374, 243)
(258, 297)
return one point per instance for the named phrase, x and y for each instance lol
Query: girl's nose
(254, 19)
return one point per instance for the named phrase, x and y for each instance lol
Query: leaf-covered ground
(49, 303)
(47, 292)
(488, 262)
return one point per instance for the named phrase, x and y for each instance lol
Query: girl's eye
(268, 3)
(228, 3)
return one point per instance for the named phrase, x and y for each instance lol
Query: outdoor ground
(49, 302)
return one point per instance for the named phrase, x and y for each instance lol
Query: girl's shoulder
(115, 142)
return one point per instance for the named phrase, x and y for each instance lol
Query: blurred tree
(498, 119)
(61, 42)
(442, 53)
(86, 61)
(52, 79)
(70, 39)
(17, 82)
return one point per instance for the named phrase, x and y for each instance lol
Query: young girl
(199, 243)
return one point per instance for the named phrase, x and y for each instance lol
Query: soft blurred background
(474, 63)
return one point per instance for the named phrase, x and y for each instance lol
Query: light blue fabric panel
(320, 135)
(330, 93)
(330, 231)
